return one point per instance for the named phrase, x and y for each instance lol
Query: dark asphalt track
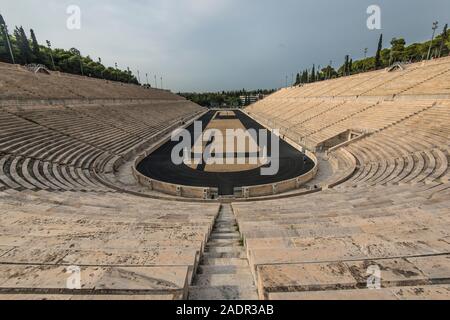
(159, 165)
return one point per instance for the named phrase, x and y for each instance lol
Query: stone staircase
(224, 272)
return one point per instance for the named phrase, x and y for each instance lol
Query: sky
(215, 45)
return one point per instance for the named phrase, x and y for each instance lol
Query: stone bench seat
(426, 292)
(147, 282)
(345, 275)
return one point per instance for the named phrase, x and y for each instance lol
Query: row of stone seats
(438, 86)
(123, 247)
(22, 84)
(322, 120)
(410, 78)
(82, 126)
(138, 118)
(21, 173)
(25, 138)
(372, 117)
(343, 166)
(18, 83)
(346, 110)
(377, 83)
(314, 101)
(324, 244)
(415, 150)
(421, 166)
(95, 127)
(68, 143)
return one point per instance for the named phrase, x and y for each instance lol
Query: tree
(444, 39)
(35, 47)
(75, 52)
(397, 50)
(346, 65)
(25, 55)
(298, 79)
(7, 53)
(378, 55)
(313, 74)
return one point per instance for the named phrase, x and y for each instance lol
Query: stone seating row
(377, 83)
(123, 247)
(324, 243)
(21, 173)
(18, 83)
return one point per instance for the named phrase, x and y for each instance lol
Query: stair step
(222, 293)
(231, 221)
(203, 269)
(234, 236)
(222, 255)
(224, 272)
(214, 280)
(224, 243)
(232, 228)
(225, 229)
(224, 249)
(225, 262)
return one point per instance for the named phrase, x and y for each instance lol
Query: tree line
(224, 98)
(21, 49)
(384, 57)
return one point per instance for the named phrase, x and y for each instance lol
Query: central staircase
(224, 272)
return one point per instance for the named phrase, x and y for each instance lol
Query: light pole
(156, 83)
(162, 87)
(146, 76)
(139, 76)
(435, 26)
(4, 28)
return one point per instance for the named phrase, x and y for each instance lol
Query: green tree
(444, 38)
(378, 63)
(346, 65)
(35, 47)
(6, 49)
(305, 76)
(25, 54)
(313, 74)
(397, 50)
(298, 79)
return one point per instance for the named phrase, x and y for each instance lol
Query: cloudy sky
(208, 45)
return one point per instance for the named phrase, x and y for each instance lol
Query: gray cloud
(224, 44)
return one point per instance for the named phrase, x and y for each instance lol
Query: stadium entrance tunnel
(202, 180)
